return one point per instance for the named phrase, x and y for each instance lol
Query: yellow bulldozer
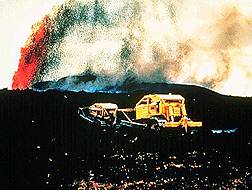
(168, 109)
(152, 111)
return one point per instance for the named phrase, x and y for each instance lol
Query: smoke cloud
(206, 43)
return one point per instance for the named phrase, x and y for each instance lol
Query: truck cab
(170, 108)
(101, 114)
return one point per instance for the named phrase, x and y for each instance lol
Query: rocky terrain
(46, 145)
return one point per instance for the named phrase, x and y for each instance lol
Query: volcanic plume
(202, 43)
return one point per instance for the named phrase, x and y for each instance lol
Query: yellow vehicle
(153, 111)
(168, 109)
(102, 114)
(103, 110)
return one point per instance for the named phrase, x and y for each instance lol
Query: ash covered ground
(46, 145)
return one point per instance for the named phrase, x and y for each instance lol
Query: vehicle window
(144, 101)
(173, 101)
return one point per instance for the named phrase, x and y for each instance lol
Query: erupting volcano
(201, 43)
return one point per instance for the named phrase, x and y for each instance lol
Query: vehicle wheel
(153, 125)
(97, 123)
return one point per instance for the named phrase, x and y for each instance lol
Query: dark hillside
(46, 145)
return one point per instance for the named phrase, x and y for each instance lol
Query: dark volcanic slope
(44, 144)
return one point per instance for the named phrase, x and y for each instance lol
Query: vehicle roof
(166, 96)
(105, 105)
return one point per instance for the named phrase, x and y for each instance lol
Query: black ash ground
(46, 145)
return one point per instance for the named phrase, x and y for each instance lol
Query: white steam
(185, 41)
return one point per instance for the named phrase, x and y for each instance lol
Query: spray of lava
(206, 43)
